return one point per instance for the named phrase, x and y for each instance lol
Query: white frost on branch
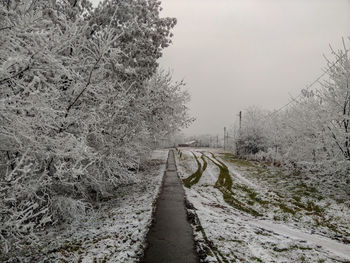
(81, 101)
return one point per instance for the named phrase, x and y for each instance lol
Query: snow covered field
(249, 212)
(116, 232)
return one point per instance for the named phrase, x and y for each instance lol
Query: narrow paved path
(170, 239)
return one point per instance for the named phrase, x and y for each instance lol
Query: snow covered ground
(264, 214)
(116, 232)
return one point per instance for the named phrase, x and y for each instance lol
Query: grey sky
(237, 53)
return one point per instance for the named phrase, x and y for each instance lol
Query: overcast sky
(237, 53)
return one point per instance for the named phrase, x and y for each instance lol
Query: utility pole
(240, 119)
(224, 138)
(217, 141)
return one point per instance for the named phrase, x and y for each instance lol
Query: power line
(307, 87)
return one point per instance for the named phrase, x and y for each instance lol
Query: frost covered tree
(335, 102)
(313, 134)
(144, 34)
(81, 100)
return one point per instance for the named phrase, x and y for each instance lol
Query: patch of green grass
(281, 249)
(228, 197)
(303, 189)
(237, 241)
(279, 194)
(252, 195)
(321, 221)
(224, 184)
(297, 198)
(300, 205)
(312, 189)
(311, 206)
(236, 161)
(276, 218)
(224, 178)
(340, 201)
(140, 212)
(304, 248)
(295, 247)
(286, 209)
(250, 202)
(256, 259)
(191, 180)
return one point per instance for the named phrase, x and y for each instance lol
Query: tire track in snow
(337, 248)
(224, 184)
(195, 177)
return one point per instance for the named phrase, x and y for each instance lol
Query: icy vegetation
(245, 211)
(284, 195)
(82, 104)
(115, 231)
(311, 133)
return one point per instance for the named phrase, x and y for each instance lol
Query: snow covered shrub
(271, 155)
(81, 101)
(252, 137)
(66, 208)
